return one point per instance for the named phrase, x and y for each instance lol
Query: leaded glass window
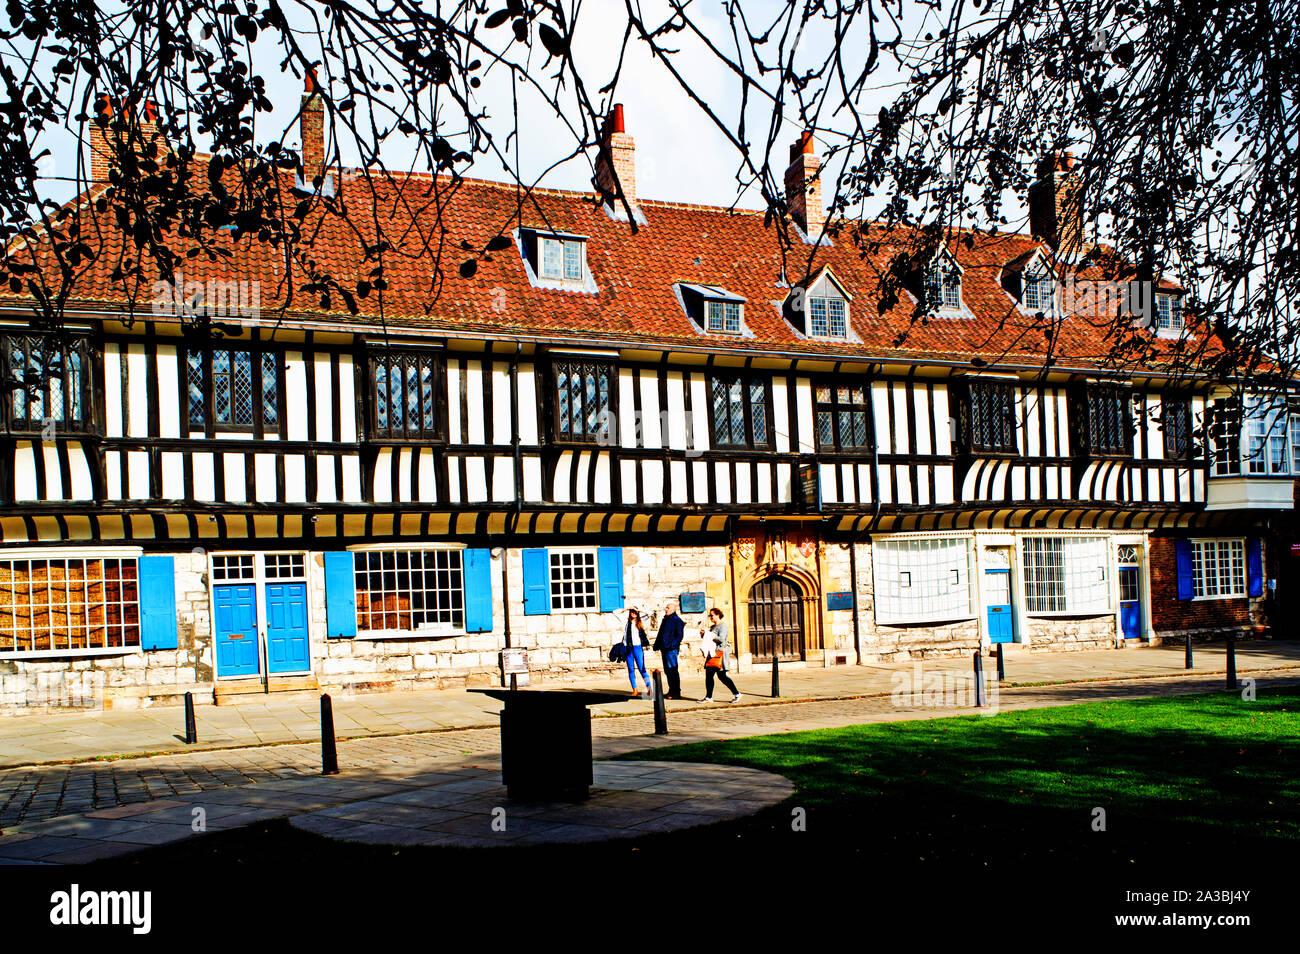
(48, 382)
(842, 417)
(405, 395)
(1110, 421)
(583, 394)
(739, 405)
(992, 415)
(239, 387)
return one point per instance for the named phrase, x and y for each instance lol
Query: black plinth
(546, 741)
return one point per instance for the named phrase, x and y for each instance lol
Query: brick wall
(1172, 618)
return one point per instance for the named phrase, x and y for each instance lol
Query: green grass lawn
(1188, 780)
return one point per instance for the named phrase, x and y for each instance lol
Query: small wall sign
(691, 603)
(839, 601)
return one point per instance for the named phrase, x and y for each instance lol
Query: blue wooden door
(286, 628)
(1130, 603)
(997, 597)
(236, 630)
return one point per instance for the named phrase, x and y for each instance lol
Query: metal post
(191, 733)
(981, 699)
(1002, 665)
(329, 755)
(661, 708)
(776, 677)
(514, 681)
(1232, 663)
(1187, 651)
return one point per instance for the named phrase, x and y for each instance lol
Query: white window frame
(1266, 428)
(555, 557)
(572, 257)
(1236, 570)
(79, 553)
(719, 314)
(831, 322)
(940, 585)
(936, 271)
(438, 630)
(1084, 584)
(1169, 314)
(1034, 280)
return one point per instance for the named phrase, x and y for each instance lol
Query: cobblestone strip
(37, 793)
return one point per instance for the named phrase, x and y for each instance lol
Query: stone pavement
(74, 813)
(627, 799)
(74, 736)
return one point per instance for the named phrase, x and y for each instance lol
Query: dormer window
(556, 260)
(943, 284)
(1169, 313)
(723, 316)
(1038, 288)
(562, 259)
(826, 318)
(713, 309)
(820, 308)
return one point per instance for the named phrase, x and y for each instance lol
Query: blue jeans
(636, 655)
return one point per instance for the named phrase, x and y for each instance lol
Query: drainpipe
(519, 499)
(853, 573)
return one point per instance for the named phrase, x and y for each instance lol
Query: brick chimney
(120, 130)
(803, 187)
(311, 128)
(1056, 204)
(617, 158)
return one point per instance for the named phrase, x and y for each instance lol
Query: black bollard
(981, 699)
(1002, 665)
(514, 682)
(1232, 663)
(191, 733)
(1187, 651)
(661, 708)
(776, 677)
(329, 755)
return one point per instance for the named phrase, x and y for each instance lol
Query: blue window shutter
(537, 583)
(1255, 567)
(157, 602)
(478, 591)
(609, 568)
(1183, 557)
(340, 595)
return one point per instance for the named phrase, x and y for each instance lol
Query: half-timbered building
(606, 413)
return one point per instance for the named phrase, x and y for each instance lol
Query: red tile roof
(635, 273)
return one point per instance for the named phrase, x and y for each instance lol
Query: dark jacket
(670, 635)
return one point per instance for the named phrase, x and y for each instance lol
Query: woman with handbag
(635, 643)
(717, 652)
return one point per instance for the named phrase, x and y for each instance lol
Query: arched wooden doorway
(776, 619)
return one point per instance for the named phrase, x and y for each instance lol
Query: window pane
(405, 590)
(552, 258)
(242, 363)
(194, 362)
(221, 386)
(270, 390)
(573, 261)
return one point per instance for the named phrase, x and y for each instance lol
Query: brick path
(255, 778)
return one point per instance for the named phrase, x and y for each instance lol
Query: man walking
(669, 643)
